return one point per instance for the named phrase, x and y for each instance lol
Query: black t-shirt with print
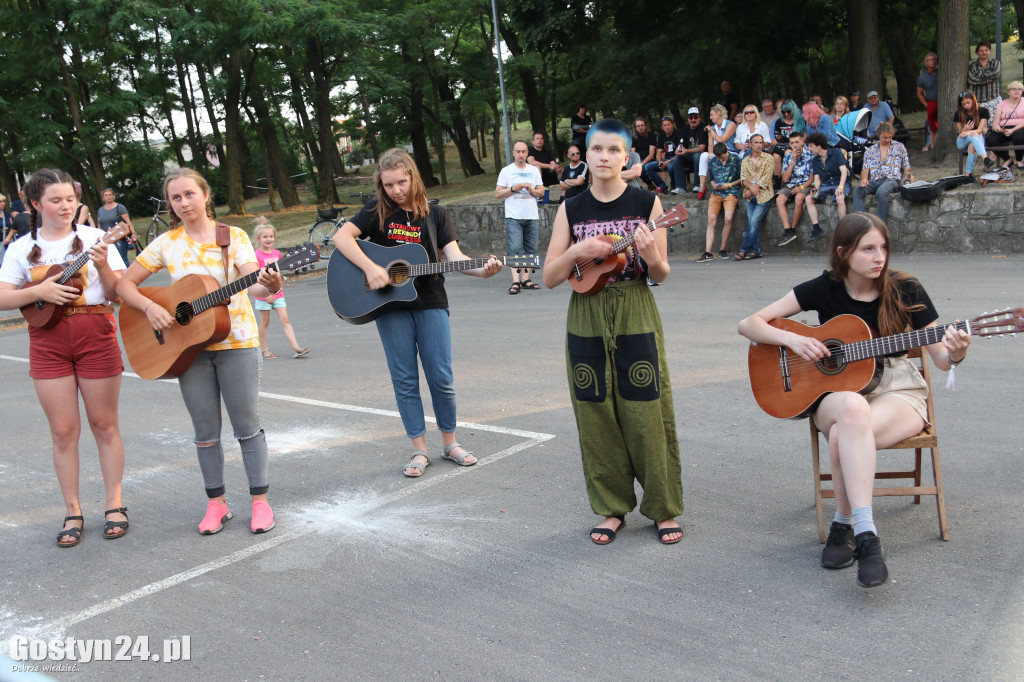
(589, 217)
(401, 229)
(694, 137)
(668, 143)
(642, 144)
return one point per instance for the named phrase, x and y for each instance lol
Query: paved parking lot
(487, 572)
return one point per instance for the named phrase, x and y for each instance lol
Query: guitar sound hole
(183, 314)
(834, 363)
(399, 273)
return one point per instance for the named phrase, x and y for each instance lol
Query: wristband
(949, 358)
(146, 310)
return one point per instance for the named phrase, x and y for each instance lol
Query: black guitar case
(926, 191)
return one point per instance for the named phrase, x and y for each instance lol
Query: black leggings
(994, 139)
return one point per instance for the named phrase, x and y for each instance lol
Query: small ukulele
(44, 314)
(787, 386)
(590, 275)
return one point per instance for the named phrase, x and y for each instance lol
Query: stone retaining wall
(964, 220)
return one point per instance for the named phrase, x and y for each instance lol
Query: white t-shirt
(743, 133)
(16, 269)
(521, 205)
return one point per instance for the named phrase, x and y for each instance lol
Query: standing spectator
(1008, 124)
(839, 109)
(580, 124)
(722, 129)
(756, 179)
(18, 205)
(6, 226)
(694, 144)
(886, 169)
(829, 173)
(82, 215)
(971, 123)
(729, 101)
(541, 159)
(725, 192)
(666, 159)
(111, 213)
(645, 143)
(928, 94)
(574, 176)
(769, 115)
(796, 181)
(817, 120)
(880, 113)
(752, 125)
(984, 78)
(519, 184)
(855, 102)
(21, 224)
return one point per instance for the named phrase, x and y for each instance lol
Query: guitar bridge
(787, 382)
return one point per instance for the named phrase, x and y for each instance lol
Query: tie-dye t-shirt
(177, 252)
(16, 269)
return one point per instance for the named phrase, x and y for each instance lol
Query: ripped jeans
(234, 375)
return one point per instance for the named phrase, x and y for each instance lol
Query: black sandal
(665, 532)
(75, 532)
(514, 289)
(113, 525)
(607, 531)
(530, 284)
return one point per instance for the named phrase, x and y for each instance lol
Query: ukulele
(46, 315)
(355, 302)
(588, 276)
(787, 386)
(200, 308)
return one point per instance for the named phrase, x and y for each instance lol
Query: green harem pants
(622, 398)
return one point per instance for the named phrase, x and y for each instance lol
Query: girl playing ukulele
(621, 392)
(80, 353)
(860, 283)
(228, 369)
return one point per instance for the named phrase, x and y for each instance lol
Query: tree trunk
(232, 69)
(865, 46)
(900, 41)
(322, 74)
(534, 103)
(457, 129)
(208, 101)
(417, 129)
(371, 130)
(310, 148)
(95, 161)
(954, 56)
(264, 123)
(195, 141)
(267, 172)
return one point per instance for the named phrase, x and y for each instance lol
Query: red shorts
(83, 345)
(933, 115)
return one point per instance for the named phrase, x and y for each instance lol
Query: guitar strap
(224, 241)
(432, 231)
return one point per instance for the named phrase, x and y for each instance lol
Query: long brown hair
(399, 159)
(34, 190)
(962, 113)
(893, 311)
(203, 185)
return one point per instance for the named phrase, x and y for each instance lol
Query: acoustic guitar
(46, 315)
(354, 301)
(787, 386)
(588, 276)
(201, 318)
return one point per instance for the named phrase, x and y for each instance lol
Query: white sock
(864, 521)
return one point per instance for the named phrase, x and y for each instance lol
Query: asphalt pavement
(487, 572)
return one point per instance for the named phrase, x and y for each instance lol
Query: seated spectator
(574, 176)
(855, 102)
(840, 109)
(830, 175)
(886, 169)
(1008, 124)
(633, 171)
(818, 121)
(817, 100)
(693, 145)
(725, 191)
(971, 123)
(540, 158)
(756, 179)
(645, 143)
(796, 183)
(722, 129)
(667, 160)
(880, 113)
(769, 115)
(580, 124)
(983, 78)
(752, 125)
(790, 121)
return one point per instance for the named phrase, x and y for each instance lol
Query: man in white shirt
(519, 184)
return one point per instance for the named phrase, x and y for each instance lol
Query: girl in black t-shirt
(400, 216)
(860, 283)
(621, 393)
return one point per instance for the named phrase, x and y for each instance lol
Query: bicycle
(328, 222)
(154, 230)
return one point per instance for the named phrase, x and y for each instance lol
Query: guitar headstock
(673, 216)
(1002, 322)
(116, 232)
(528, 261)
(299, 256)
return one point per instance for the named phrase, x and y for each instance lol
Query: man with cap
(855, 102)
(694, 143)
(880, 111)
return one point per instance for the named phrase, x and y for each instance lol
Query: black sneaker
(814, 236)
(723, 254)
(788, 236)
(706, 257)
(838, 552)
(871, 570)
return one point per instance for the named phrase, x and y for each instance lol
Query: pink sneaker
(216, 514)
(262, 517)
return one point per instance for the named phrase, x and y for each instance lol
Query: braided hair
(34, 190)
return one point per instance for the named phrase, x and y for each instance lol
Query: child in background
(265, 235)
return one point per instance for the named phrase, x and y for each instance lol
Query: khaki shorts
(715, 205)
(900, 378)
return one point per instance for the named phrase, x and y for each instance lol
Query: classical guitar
(787, 386)
(199, 305)
(44, 314)
(354, 301)
(589, 275)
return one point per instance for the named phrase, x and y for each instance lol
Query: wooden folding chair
(928, 438)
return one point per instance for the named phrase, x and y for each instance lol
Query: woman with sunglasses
(971, 123)
(752, 125)
(1008, 125)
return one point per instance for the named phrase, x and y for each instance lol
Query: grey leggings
(235, 376)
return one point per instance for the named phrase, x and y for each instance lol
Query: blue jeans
(978, 142)
(881, 189)
(521, 235)
(122, 248)
(676, 173)
(404, 333)
(755, 216)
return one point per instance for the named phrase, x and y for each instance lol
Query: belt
(88, 309)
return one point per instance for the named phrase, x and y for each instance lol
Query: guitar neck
(898, 343)
(213, 298)
(72, 268)
(451, 266)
